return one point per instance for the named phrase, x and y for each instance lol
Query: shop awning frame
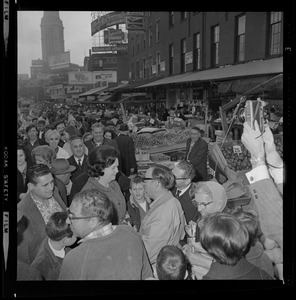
(93, 91)
(260, 67)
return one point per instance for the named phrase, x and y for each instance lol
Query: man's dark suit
(78, 170)
(127, 154)
(190, 211)
(198, 158)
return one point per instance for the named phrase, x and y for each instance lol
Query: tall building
(52, 34)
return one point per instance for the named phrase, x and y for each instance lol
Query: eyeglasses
(148, 179)
(203, 204)
(70, 216)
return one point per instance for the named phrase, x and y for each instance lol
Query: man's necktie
(79, 163)
(178, 192)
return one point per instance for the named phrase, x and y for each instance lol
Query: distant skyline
(77, 37)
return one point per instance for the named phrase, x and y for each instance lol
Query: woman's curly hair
(99, 159)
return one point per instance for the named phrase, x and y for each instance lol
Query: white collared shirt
(184, 190)
(59, 253)
(81, 160)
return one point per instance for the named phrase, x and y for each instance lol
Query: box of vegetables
(238, 157)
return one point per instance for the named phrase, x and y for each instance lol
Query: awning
(262, 67)
(239, 86)
(93, 91)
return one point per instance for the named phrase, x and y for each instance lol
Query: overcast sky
(77, 36)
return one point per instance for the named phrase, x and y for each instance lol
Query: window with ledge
(150, 65)
(196, 52)
(240, 37)
(183, 15)
(157, 33)
(144, 68)
(171, 59)
(183, 53)
(275, 33)
(158, 62)
(137, 70)
(215, 45)
(171, 18)
(150, 36)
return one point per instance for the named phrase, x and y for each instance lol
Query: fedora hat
(61, 166)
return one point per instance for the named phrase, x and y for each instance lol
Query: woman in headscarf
(209, 197)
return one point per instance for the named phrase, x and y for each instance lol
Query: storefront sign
(237, 149)
(122, 47)
(188, 57)
(107, 20)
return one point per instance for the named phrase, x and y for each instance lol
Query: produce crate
(142, 156)
(159, 157)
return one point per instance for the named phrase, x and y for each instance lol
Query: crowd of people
(85, 212)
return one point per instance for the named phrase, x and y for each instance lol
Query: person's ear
(30, 186)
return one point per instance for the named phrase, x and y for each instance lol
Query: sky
(77, 37)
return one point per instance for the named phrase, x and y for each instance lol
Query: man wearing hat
(128, 163)
(62, 171)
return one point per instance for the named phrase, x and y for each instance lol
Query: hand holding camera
(253, 141)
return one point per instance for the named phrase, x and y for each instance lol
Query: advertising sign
(134, 23)
(109, 76)
(162, 66)
(115, 35)
(80, 78)
(188, 57)
(105, 21)
(122, 47)
(59, 61)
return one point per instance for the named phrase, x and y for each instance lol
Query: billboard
(134, 23)
(114, 18)
(105, 21)
(109, 76)
(80, 78)
(121, 47)
(59, 61)
(115, 35)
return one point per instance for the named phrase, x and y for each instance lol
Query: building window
(137, 70)
(138, 44)
(275, 28)
(151, 65)
(158, 62)
(196, 52)
(150, 36)
(157, 31)
(171, 59)
(183, 15)
(240, 37)
(133, 71)
(144, 68)
(183, 53)
(215, 45)
(171, 18)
